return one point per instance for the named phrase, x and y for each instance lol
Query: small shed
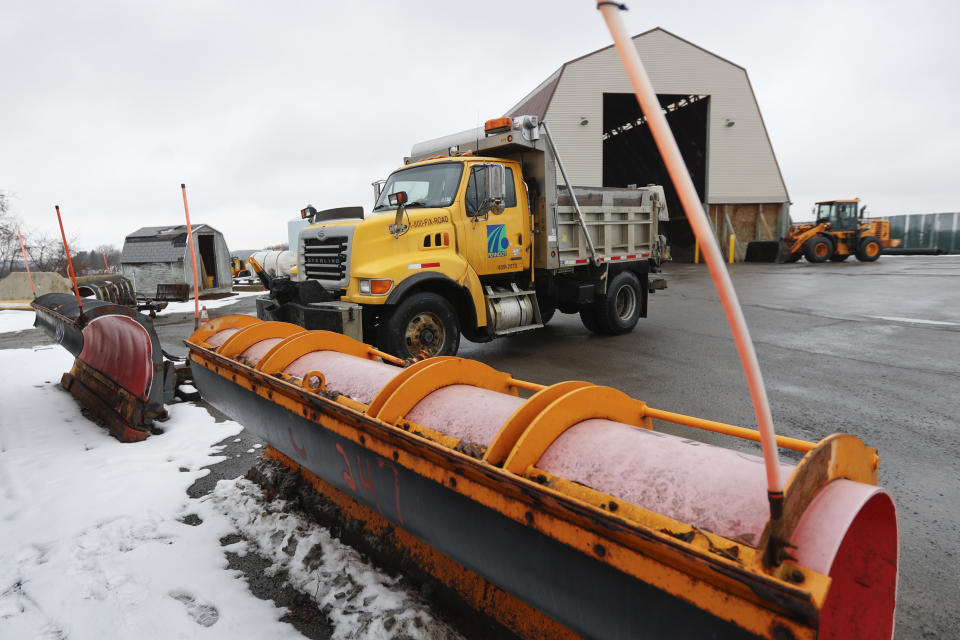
(155, 256)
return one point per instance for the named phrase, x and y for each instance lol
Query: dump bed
(622, 222)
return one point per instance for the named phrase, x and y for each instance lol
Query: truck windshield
(432, 185)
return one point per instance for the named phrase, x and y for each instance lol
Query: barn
(602, 136)
(154, 256)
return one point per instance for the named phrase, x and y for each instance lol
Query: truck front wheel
(617, 312)
(423, 325)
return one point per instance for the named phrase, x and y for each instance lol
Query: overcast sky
(263, 107)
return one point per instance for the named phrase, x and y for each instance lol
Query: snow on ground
(92, 544)
(16, 320)
(359, 600)
(187, 306)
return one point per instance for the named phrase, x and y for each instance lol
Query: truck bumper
(337, 316)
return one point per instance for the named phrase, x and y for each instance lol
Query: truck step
(527, 327)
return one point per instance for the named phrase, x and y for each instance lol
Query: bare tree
(44, 251)
(46, 254)
(9, 243)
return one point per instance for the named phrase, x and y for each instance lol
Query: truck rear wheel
(423, 325)
(588, 315)
(817, 249)
(868, 249)
(617, 312)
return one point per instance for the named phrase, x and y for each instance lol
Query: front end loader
(840, 231)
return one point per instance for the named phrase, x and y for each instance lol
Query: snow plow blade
(563, 513)
(120, 376)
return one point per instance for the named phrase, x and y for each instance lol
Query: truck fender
(468, 289)
(471, 282)
(417, 282)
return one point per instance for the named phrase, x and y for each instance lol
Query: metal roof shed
(602, 136)
(161, 255)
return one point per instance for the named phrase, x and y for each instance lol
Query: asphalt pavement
(871, 349)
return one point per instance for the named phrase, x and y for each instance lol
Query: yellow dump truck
(474, 237)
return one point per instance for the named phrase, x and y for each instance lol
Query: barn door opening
(630, 155)
(208, 261)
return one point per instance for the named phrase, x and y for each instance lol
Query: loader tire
(617, 312)
(424, 324)
(869, 249)
(817, 249)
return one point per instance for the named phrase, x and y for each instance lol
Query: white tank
(276, 263)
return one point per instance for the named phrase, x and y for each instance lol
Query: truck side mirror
(496, 188)
(397, 200)
(377, 188)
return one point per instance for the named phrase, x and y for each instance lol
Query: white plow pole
(711, 252)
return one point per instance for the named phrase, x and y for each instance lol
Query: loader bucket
(119, 374)
(764, 251)
(563, 512)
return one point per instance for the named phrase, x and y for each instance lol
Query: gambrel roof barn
(710, 104)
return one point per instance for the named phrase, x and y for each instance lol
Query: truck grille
(326, 259)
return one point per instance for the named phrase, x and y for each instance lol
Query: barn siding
(146, 276)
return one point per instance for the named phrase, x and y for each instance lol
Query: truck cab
(425, 257)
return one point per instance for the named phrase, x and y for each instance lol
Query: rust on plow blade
(120, 376)
(566, 503)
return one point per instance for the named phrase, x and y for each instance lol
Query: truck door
(495, 243)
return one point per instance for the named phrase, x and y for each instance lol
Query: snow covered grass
(16, 320)
(92, 542)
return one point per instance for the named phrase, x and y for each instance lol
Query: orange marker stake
(27, 263)
(105, 265)
(193, 259)
(71, 272)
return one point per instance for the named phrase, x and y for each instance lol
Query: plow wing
(120, 376)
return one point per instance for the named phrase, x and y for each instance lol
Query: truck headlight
(375, 286)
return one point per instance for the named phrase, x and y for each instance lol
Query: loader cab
(841, 214)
